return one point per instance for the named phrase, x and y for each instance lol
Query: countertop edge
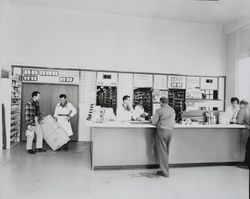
(135, 125)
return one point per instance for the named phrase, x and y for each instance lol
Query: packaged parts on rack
(53, 133)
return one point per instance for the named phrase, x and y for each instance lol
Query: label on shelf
(193, 82)
(160, 82)
(50, 76)
(177, 82)
(106, 79)
(143, 81)
(209, 83)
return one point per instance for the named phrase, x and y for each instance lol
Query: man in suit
(163, 119)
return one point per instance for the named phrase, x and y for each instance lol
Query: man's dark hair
(62, 96)
(164, 100)
(235, 99)
(244, 102)
(125, 97)
(35, 93)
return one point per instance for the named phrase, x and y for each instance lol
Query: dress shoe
(41, 150)
(65, 149)
(31, 151)
(160, 173)
(242, 165)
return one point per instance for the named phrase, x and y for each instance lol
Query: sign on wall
(36, 75)
(176, 82)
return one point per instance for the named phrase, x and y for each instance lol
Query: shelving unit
(15, 115)
(202, 99)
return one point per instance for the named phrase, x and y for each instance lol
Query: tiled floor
(67, 175)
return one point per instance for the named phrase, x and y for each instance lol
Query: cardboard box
(57, 139)
(49, 125)
(53, 133)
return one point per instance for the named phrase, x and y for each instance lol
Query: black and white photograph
(124, 99)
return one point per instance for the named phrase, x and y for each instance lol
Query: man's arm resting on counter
(155, 118)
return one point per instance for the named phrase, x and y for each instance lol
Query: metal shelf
(14, 133)
(14, 126)
(203, 99)
(14, 121)
(15, 103)
(16, 110)
(13, 143)
(15, 115)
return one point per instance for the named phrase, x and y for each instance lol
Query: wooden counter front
(131, 145)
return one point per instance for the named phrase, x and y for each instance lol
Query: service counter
(131, 145)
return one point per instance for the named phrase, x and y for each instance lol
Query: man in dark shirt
(32, 120)
(163, 119)
(243, 117)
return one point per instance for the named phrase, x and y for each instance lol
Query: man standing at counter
(243, 117)
(163, 119)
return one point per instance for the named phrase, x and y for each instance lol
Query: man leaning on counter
(243, 117)
(164, 120)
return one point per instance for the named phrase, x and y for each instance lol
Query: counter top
(138, 124)
(121, 124)
(211, 126)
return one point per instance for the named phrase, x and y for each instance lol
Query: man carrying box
(64, 111)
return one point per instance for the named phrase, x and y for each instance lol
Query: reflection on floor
(67, 175)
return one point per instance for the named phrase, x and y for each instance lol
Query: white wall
(237, 47)
(64, 38)
(243, 80)
(49, 37)
(5, 16)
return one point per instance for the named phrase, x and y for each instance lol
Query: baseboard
(156, 166)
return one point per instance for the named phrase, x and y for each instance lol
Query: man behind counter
(125, 112)
(139, 112)
(233, 109)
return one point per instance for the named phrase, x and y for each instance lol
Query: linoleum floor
(67, 175)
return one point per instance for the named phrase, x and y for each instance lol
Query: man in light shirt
(64, 111)
(139, 112)
(125, 112)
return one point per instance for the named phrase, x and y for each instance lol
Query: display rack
(15, 117)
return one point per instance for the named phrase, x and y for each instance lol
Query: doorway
(48, 101)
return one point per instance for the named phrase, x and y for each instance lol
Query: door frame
(77, 108)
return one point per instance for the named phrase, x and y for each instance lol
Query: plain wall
(66, 38)
(237, 47)
(49, 37)
(5, 26)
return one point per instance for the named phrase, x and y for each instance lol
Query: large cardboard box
(53, 133)
(57, 139)
(49, 125)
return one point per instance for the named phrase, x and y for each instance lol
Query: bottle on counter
(211, 119)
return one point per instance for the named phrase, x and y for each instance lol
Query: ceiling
(202, 11)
